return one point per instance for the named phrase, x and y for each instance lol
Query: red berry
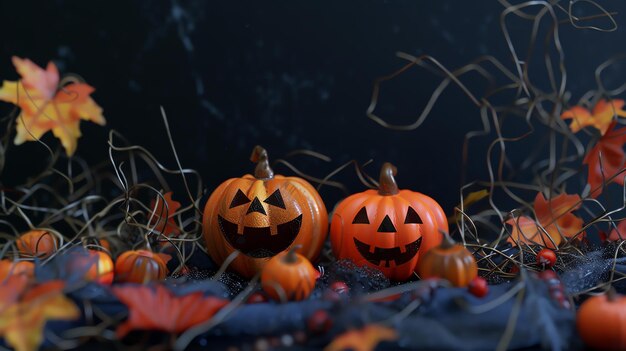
(257, 297)
(514, 269)
(478, 287)
(546, 258)
(319, 322)
(340, 287)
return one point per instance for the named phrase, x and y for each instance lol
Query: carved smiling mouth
(388, 255)
(258, 242)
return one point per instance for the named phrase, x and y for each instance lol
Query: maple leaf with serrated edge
(24, 310)
(157, 308)
(554, 216)
(606, 159)
(48, 107)
(364, 339)
(163, 219)
(600, 117)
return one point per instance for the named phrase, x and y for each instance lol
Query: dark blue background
(284, 74)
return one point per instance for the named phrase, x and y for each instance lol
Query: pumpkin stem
(447, 241)
(263, 169)
(387, 184)
(291, 257)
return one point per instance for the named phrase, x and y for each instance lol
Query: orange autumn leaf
(365, 339)
(157, 308)
(553, 216)
(601, 117)
(619, 233)
(48, 107)
(526, 230)
(24, 314)
(606, 159)
(163, 218)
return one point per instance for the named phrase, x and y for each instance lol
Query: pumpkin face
(262, 216)
(600, 321)
(289, 276)
(140, 266)
(449, 261)
(388, 229)
(37, 243)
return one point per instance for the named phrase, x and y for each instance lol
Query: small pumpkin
(141, 266)
(37, 243)
(262, 215)
(450, 261)
(101, 267)
(600, 321)
(388, 229)
(289, 275)
(8, 267)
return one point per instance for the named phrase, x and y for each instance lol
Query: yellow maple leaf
(25, 313)
(365, 339)
(600, 117)
(46, 106)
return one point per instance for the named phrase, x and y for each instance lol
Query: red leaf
(157, 308)
(610, 148)
(616, 235)
(163, 218)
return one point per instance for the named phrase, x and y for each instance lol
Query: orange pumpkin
(388, 229)
(262, 216)
(101, 267)
(37, 243)
(141, 266)
(600, 321)
(449, 261)
(8, 267)
(289, 275)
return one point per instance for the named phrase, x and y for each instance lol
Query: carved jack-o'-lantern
(261, 216)
(388, 228)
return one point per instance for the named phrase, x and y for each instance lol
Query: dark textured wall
(284, 74)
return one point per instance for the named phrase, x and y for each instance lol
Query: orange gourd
(101, 267)
(289, 276)
(140, 266)
(449, 261)
(388, 229)
(262, 215)
(8, 267)
(37, 243)
(601, 321)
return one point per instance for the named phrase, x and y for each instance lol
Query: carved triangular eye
(361, 217)
(275, 200)
(239, 199)
(412, 217)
